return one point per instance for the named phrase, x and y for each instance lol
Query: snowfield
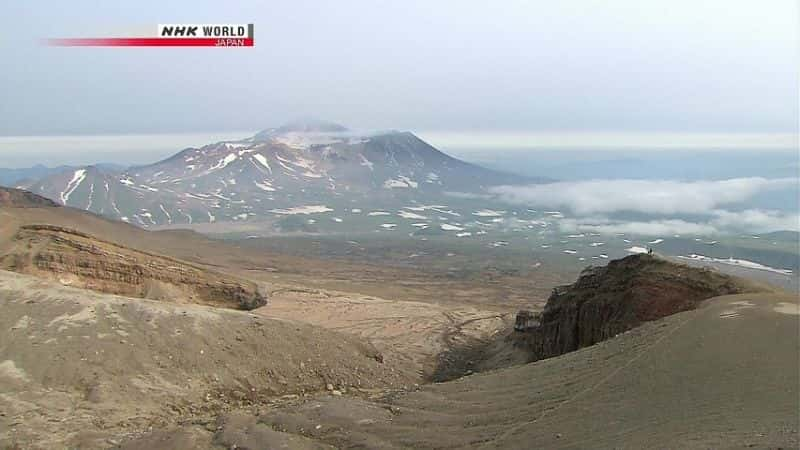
(737, 262)
(77, 179)
(488, 213)
(448, 227)
(410, 215)
(400, 182)
(231, 157)
(263, 161)
(266, 186)
(310, 209)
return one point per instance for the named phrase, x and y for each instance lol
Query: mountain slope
(721, 376)
(51, 248)
(18, 198)
(81, 369)
(103, 192)
(296, 165)
(11, 177)
(78, 259)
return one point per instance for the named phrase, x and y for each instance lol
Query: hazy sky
(667, 66)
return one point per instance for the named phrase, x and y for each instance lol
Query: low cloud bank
(749, 221)
(592, 202)
(646, 196)
(652, 228)
(756, 220)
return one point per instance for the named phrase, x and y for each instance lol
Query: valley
(313, 181)
(315, 287)
(357, 344)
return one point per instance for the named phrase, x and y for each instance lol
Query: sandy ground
(340, 355)
(699, 379)
(422, 317)
(417, 332)
(425, 284)
(84, 369)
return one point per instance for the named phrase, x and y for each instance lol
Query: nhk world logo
(173, 35)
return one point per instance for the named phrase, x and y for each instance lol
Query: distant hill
(785, 235)
(10, 177)
(26, 175)
(18, 198)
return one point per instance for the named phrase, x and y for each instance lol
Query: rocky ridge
(609, 300)
(19, 198)
(80, 260)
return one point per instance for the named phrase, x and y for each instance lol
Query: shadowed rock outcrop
(606, 301)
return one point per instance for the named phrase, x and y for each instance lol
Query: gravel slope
(85, 369)
(722, 376)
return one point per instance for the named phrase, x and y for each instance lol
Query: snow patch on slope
(400, 182)
(265, 186)
(448, 227)
(310, 209)
(263, 161)
(737, 262)
(410, 215)
(77, 179)
(488, 213)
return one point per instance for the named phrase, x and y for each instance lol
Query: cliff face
(606, 301)
(80, 260)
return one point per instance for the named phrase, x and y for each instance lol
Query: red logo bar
(152, 42)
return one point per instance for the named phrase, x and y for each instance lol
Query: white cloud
(646, 196)
(756, 220)
(720, 221)
(467, 195)
(651, 228)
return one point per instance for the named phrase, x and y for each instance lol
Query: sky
(605, 67)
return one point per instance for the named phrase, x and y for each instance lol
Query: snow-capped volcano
(283, 167)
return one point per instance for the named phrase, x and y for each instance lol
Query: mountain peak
(305, 162)
(302, 125)
(311, 125)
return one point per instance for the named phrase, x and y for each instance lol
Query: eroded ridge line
(494, 442)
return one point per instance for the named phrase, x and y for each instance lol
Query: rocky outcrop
(526, 320)
(19, 198)
(78, 259)
(606, 301)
